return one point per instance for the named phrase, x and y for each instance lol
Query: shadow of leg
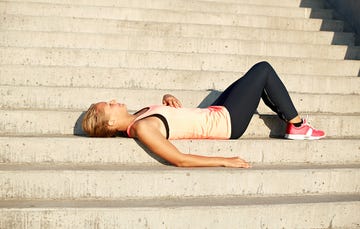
(209, 99)
(276, 125)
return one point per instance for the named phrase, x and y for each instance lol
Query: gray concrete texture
(63, 98)
(128, 182)
(171, 60)
(207, 6)
(121, 79)
(73, 150)
(174, 44)
(192, 5)
(68, 24)
(170, 16)
(287, 212)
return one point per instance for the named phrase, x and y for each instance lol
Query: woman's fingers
(175, 103)
(171, 103)
(170, 100)
(237, 162)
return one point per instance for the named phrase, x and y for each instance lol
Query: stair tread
(59, 49)
(179, 202)
(175, 4)
(114, 168)
(104, 37)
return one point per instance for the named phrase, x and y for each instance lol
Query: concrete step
(170, 60)
(173, 44)
(20, 75)
(285, 3)
(107, 26)
(313, 4)
(128, 182)
(170, 16)
(20, 97)
(74, 151)
(202, 6)
(337, 211)
(47, 122)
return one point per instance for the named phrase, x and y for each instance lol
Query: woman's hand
(236, 162)
(170, 100)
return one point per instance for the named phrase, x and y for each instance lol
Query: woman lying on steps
(227, 118)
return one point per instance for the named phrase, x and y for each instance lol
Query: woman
(227, 118)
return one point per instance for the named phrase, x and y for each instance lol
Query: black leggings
(243, 96)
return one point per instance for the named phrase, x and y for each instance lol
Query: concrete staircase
(59, 56)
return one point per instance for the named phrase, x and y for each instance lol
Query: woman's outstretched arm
(147, 132)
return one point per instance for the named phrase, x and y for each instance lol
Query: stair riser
(166, 44)
(307, 215)
(64, 98)
(178, 61)
(286, 3)
(205, 6)
(19, 75)
(110, 183)
(57, 122)
(170, 16)
(107, 151)
(10, 22)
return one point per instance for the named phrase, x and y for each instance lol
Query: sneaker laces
(307, 123)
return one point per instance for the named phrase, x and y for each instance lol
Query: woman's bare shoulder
(147, 125)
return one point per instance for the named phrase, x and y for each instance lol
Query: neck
(125, 122)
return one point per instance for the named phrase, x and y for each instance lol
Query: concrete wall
(348, 10)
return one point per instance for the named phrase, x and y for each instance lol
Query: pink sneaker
(305, 131)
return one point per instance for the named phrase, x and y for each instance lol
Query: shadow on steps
(78, 131)
(344, 36)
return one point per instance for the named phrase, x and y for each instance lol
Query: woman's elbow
(183, 163)
(180, 163)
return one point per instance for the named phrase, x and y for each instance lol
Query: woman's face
(112, 109)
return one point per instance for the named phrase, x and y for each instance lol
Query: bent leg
(243, 96)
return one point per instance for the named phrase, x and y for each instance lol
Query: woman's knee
(264, 66)
(266, 70)
(260, 71)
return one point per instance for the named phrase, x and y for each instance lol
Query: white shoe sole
(302, 137)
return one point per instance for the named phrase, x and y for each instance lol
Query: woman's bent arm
(149, 135)
(170, 100)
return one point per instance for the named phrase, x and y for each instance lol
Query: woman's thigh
(242, 98)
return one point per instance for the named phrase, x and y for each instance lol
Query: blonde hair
(95, 123)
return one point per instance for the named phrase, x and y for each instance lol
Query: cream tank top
(191, 123)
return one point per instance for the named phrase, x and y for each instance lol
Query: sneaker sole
(302, 137)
